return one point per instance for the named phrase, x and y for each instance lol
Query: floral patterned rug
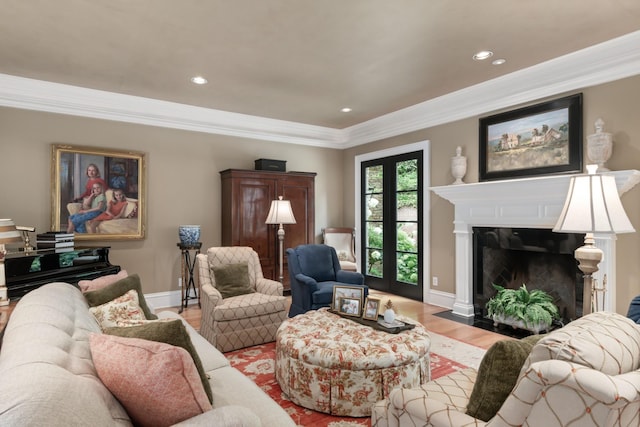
(257, 363)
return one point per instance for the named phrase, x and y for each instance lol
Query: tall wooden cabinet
(246, 199)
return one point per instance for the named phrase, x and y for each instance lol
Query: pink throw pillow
(101, 282)
(158, 384)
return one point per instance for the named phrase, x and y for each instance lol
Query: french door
(391, 236)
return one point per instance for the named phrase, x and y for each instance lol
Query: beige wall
(182, 175)
(184, 184)
(616, 103)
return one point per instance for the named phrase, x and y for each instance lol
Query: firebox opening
(538, 258)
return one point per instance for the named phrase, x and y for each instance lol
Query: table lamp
(280, 213)
(8, 234)
(592, 206)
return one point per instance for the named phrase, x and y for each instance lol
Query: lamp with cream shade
(280, 213)
(8, 234)
(592, 206)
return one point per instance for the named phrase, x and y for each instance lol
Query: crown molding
(612, 60)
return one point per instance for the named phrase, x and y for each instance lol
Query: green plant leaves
(532, 308)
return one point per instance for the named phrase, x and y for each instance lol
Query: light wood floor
(423, 313)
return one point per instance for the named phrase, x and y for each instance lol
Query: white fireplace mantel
(524, 203)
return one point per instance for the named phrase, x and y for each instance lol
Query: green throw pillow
(232, 279)
(114, 290)
(497, 375)
(173, 333)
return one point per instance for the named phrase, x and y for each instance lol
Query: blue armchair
(314, 271)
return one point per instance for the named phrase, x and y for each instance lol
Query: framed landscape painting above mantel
(98, 194)
(540, 139)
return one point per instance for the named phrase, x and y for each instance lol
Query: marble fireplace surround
(523, 203)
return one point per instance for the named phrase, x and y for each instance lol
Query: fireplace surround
(520, 203)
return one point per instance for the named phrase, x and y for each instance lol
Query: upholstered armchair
(314, 270)
(249, 318)
(586, 374)
(342, 239)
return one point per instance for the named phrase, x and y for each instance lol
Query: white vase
(458, 166)
(389, 315)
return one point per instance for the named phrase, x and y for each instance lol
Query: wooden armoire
(246, 199)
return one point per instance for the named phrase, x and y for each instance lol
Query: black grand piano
(25, 271)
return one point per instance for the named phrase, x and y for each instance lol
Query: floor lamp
(280, 213)
(8, 234)
(592, 206)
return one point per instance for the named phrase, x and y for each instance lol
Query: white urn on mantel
(600, 146)
(458, 166)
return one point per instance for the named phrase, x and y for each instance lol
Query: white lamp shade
(280, 212)
(8, 232)
(593, 206)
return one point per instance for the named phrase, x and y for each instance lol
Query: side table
(188, 279)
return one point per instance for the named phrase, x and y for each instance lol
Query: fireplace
(523, 203)
(538, 258)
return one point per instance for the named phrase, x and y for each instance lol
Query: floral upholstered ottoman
(334, 365)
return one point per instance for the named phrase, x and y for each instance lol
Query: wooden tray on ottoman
(375, 325)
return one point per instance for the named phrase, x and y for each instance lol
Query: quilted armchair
(314, 270)
(243, 320)
(586, 374)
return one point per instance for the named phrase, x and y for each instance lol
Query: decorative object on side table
(600, 146)
(280, 213)
(533, 311)
(25, 237)
(592, 206)
(189, 234)
(8, 234)
(458, 166)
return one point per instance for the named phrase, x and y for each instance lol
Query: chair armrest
(308, 281)
(569, 382)
(269, 287)
(210, 296)
(415, 407)
(351, 277)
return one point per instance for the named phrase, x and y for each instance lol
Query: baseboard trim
(440, 299)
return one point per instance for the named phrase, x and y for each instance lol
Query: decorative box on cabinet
(246, 199)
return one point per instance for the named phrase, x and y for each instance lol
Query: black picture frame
(540, 139)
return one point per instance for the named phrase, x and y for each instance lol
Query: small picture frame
(371, 308)
(346, 292)
(350, 306)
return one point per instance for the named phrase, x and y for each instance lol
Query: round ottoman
(334, 365)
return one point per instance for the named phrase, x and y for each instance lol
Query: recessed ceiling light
(199, 80)
(499, 61)
(346, 110)
(482, 55)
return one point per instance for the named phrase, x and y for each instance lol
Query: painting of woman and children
(98, 193)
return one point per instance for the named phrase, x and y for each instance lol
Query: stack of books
(59, 241)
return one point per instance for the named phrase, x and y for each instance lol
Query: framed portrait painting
(98, 194)
(540, 139)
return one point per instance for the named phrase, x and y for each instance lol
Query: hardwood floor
(423, 313)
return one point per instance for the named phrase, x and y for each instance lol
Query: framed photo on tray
(352, 292)
(539, 139)
(350, 306)
(371, 308)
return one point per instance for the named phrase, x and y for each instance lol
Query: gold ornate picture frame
(77, 175)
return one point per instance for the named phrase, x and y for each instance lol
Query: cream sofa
(586, 374)
(47, 376)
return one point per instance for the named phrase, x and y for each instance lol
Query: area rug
(257, 363)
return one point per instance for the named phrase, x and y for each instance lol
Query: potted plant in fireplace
(530, 310)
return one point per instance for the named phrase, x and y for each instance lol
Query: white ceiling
(298, 61)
